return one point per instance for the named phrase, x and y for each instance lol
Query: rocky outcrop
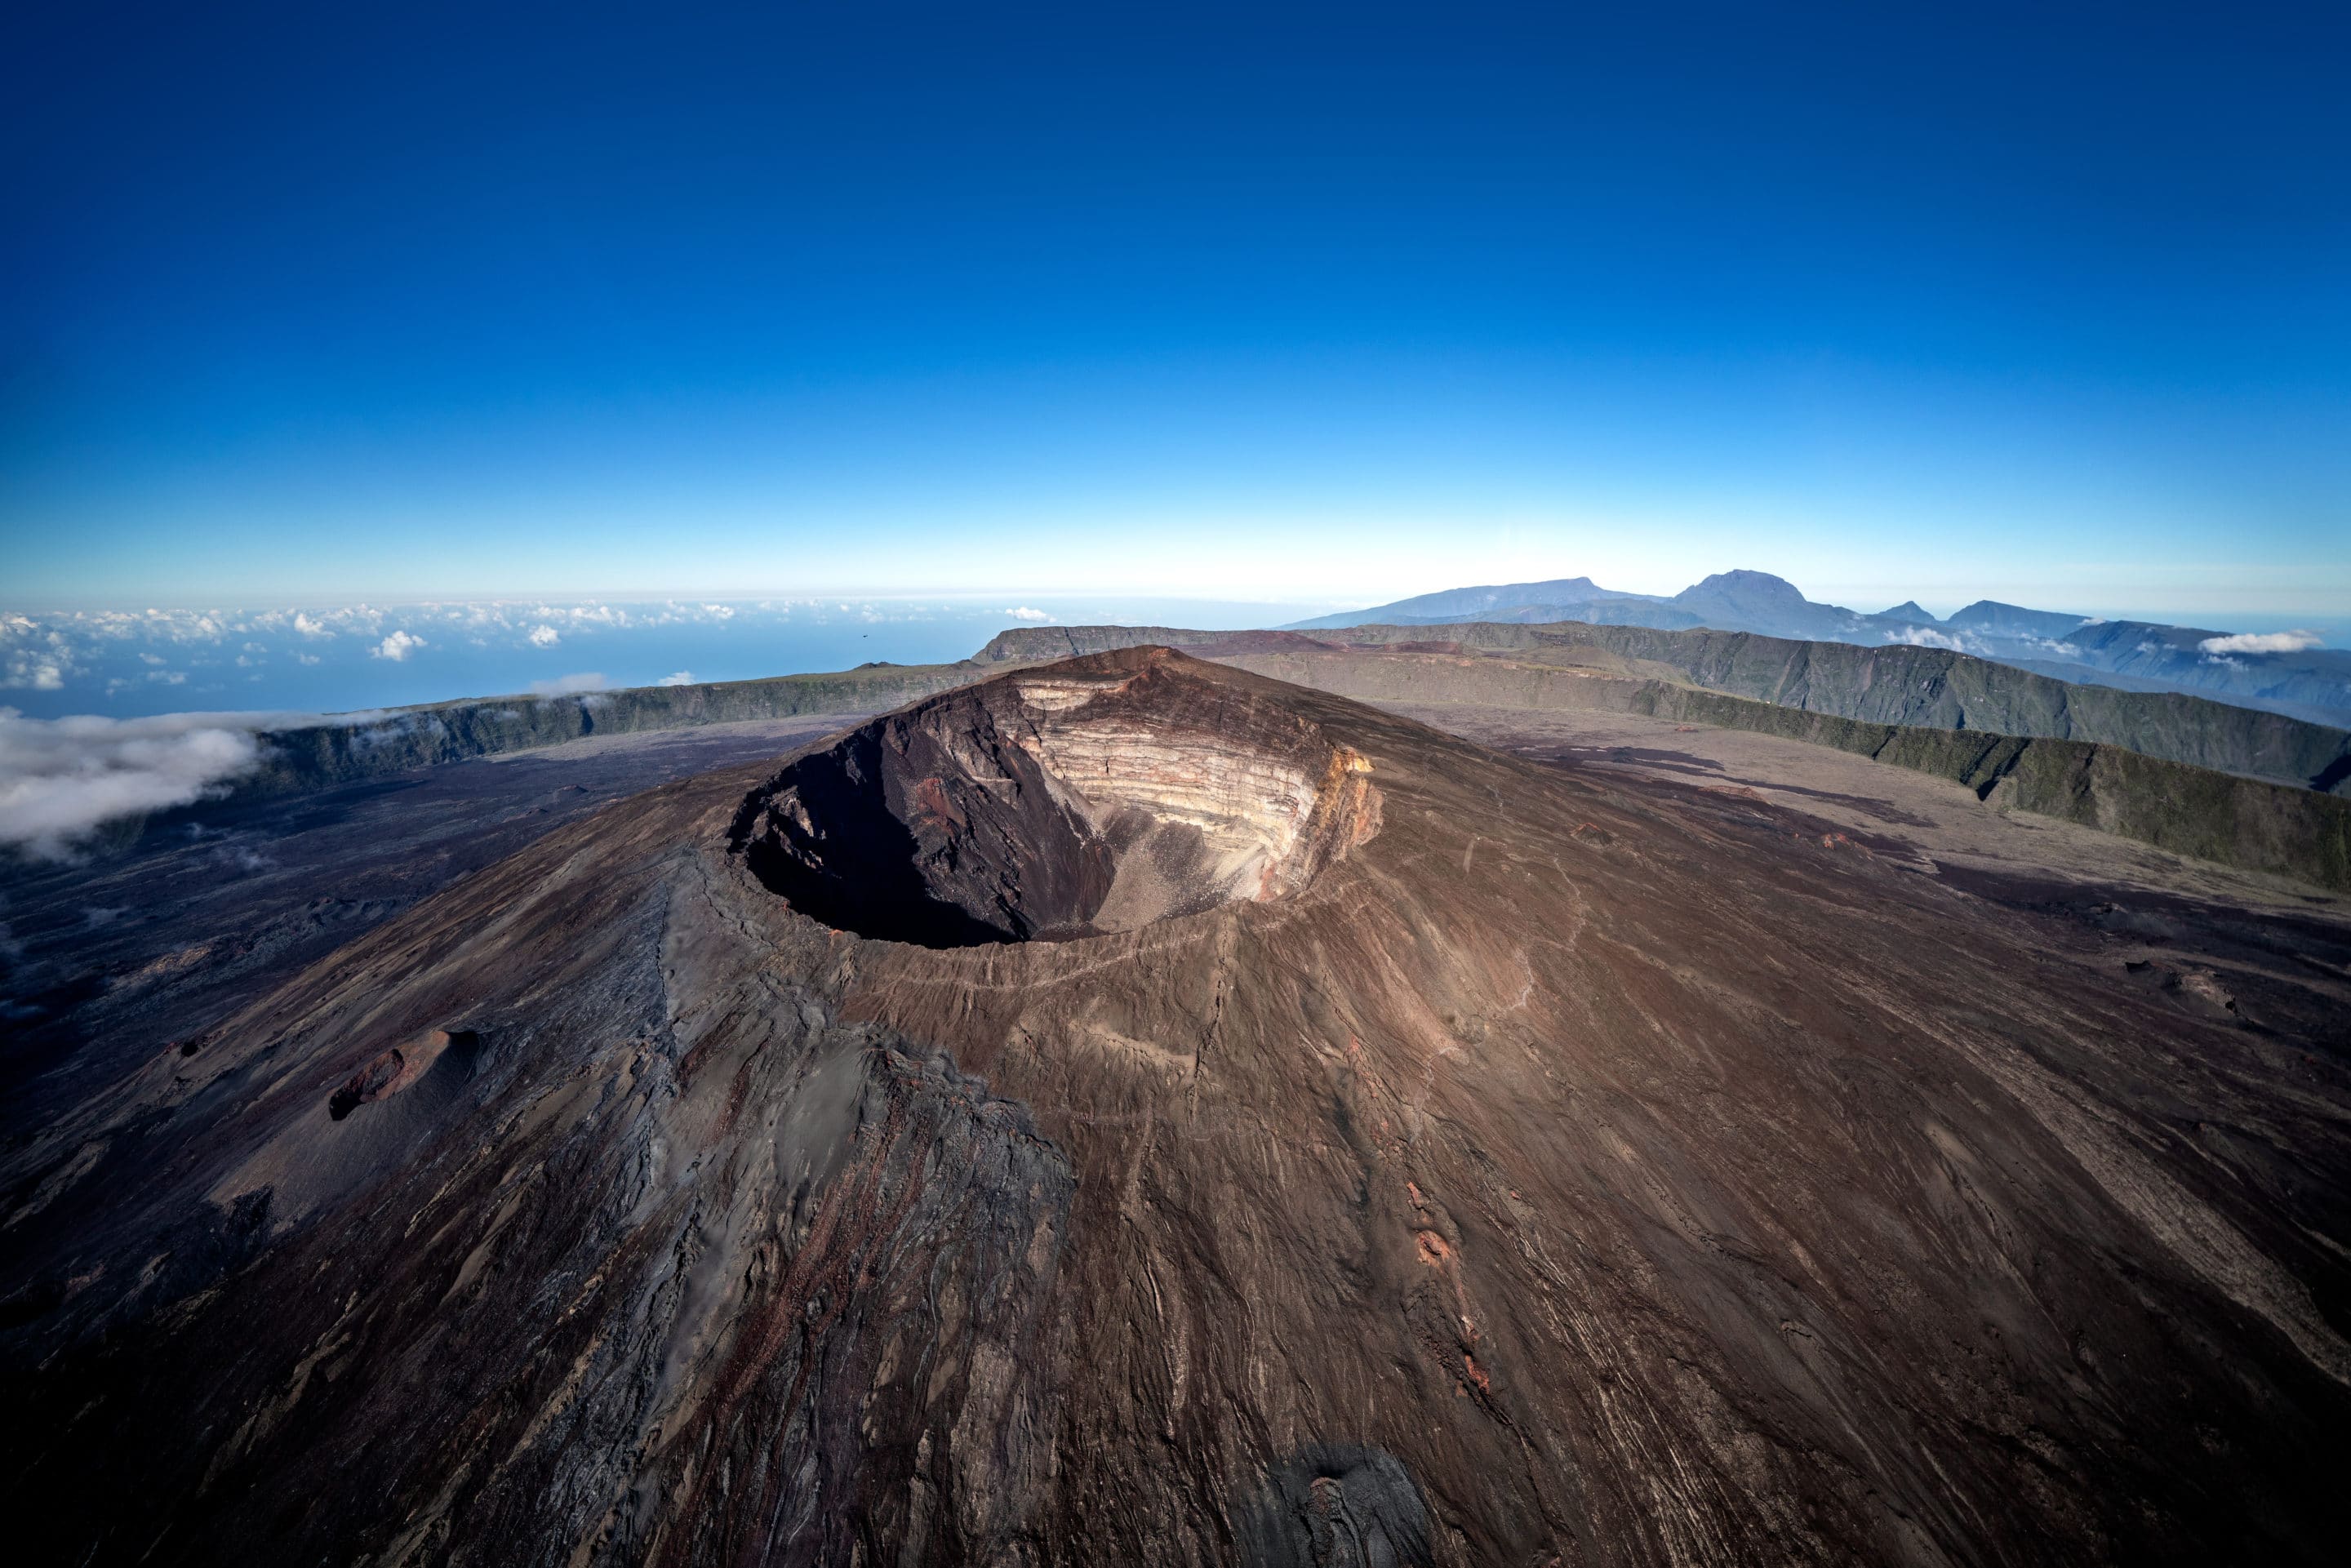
(1055, 806)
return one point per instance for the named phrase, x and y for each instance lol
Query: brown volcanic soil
(1935, 821)
(1548, 1165)
(108, 959)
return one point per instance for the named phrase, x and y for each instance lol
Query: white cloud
(676, 678)
(545, 636)
(36, 671)
(305, 658)
(398, 646)
(569, 685)
(59, 779)
(2264, 642)
(1925, 637)
(307, 627)
(168, 677)
(1024, 614)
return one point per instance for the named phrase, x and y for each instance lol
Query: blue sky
(311, 305)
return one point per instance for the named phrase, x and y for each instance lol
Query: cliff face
(1544, 1172)
(1912, 688)
(1799, 690)
(2248, 823)
(355, 746)
(1058, 805)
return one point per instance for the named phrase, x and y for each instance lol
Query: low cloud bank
(2262, 642)
(61, 779)
(1925, 637)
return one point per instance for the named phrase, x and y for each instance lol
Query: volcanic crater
(1430, 1157)
(1057, 806)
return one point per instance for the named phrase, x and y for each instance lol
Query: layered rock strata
(1051, 807)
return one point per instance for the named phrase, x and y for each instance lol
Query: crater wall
(1055, 808)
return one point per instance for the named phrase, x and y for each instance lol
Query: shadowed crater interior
(1121, 789)
(1337, 1506)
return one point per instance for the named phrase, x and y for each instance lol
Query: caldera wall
(1051, 808)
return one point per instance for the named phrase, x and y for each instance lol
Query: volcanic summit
(1133, 1110)
(1058, 805)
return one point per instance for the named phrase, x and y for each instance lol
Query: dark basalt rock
(866, 837)
(1338, 1506)
(1445, 1159)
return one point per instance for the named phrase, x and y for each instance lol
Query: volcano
(1133, 1110)
(1054, 807)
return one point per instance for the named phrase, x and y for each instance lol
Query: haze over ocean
(123, 663)
(312, 307)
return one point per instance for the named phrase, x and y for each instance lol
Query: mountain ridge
(1895, 684)
(1924, 708)
(2302, 680)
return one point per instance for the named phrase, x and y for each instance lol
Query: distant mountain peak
(1503, 600)
(1758, 587)
(1992, 618)
(2251, 671)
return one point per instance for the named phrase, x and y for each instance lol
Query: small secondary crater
(1092, 797)
(391, 1071)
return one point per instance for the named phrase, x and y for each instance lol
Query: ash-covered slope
(1462, 1161)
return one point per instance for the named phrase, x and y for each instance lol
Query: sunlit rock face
(1055, 806)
